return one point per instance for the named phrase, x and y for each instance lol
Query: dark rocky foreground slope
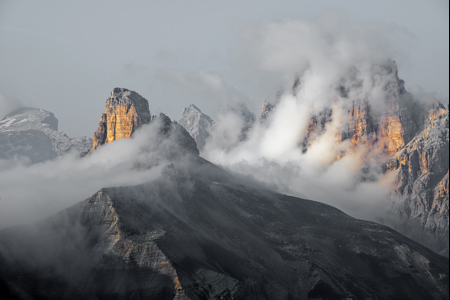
(199, 233)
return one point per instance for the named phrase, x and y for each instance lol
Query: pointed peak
(125, 111)
(118, 91)
(191, 108)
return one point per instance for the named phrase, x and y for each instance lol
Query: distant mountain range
(198, 232)
(33, 134)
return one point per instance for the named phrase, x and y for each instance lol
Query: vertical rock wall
(125, 111)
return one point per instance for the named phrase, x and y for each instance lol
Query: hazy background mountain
(33, 134)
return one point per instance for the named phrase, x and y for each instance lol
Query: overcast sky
(66, 56)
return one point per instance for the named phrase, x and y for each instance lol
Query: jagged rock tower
(197, 124)
(125, 111)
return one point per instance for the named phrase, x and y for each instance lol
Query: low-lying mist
(31, 192)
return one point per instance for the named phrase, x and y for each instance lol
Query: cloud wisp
(333, 63)
(31, 192)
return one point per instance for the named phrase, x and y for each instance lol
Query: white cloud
(327, 54)
(31, 192)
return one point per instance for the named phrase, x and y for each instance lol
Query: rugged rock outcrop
(199, 233)
(266, 111)
(198, 124)
(412, 138)
(390, 125)
(178, 136)
(421, 185)
(125, 111)
(385, 126)
(33, 133)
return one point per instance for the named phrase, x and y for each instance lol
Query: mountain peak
(26, 118)
(33, 133)
(198, 124)
(125, 111)
(184, 141)
(117, 91)
(190, 108)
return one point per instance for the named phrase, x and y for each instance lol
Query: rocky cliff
(421, 186)
(125, 111)
(388, 124)
(413, 138)
(198, 124)
(33, 133)
(199, 233)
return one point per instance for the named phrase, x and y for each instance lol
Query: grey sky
(66, 56)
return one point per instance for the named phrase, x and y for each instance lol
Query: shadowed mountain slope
(199, 233)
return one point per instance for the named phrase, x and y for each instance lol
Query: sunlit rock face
(422, 182)
(385, 125)
(390, 125)
(125, 111)
(412, 137)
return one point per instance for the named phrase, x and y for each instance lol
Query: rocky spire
(198, 124)
(125, 111)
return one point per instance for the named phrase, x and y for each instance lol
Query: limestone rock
(33, 133)
(267, 108)
(388, 127)
(422, 183)
(316, 127)
(125, 111)
(198, 124)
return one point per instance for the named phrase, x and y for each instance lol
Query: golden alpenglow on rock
(422, 182)
(125, 111)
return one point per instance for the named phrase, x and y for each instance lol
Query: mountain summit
(197, 124)
(125, 111)
(33, 133)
